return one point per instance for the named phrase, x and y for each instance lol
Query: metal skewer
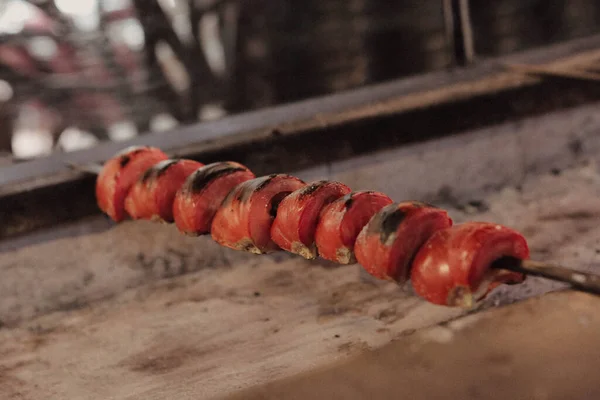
(583, 281)
(580, 280)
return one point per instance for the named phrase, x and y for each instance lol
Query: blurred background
(77, 72)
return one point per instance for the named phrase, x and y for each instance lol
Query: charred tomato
(198, 199)
(118, 176)
(243, 222)
(453, 267)
(386, 246)
(152, 196)
(298, 215)
(341, 222)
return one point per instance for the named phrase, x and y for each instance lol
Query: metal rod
(583, 281)
(459, 30)
(466, 31)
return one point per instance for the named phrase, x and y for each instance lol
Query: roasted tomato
(243, 222)
(341, 222)
(151, 197)
(119, 174)
(453, 267)
(298, 215)
(198, 199)
(386, 246)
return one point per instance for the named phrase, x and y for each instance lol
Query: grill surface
(152, 311)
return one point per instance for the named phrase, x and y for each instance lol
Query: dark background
(94, 70)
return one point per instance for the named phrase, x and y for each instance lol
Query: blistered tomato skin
(198, 199)
(341, 222)
(386, 246)
(152, 196)
(118, 176)
(244, 220)
(298, 215)
(453, 267)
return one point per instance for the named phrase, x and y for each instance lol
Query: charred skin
(198, 199)
(118, 176)
(152, 196)
(453, 267)
(298, 215)
(243, 222)
(341, 222)
(385, 247)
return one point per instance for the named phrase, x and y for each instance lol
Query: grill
(135, 310)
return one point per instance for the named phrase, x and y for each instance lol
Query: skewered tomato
(151, 197)
(198, 199)
(244, 220)
(386, 246)
(341, 222)
(453, 268)
(119, 174)
(298, 214)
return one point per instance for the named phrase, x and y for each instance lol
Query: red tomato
(197, 201)
(298, 214)
(386, 246)
(152, 196)
(118, 176)
(243, 222)
(138, 202)
(453, 267)
(341, 222)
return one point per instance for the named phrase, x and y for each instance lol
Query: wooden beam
(488, 77)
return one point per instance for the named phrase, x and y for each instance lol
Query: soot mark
(390, 224)
(205, 175)
(576, 146)
(164, 166)
(312, 188)
(246, 189)
(386, 221)
(124, 160)
(253, 186)
(275, 201)
(157, 170)
(348, 200)
(238, 194)
(125, 154)
(147, 175)
(160, 361)
(264, 182)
